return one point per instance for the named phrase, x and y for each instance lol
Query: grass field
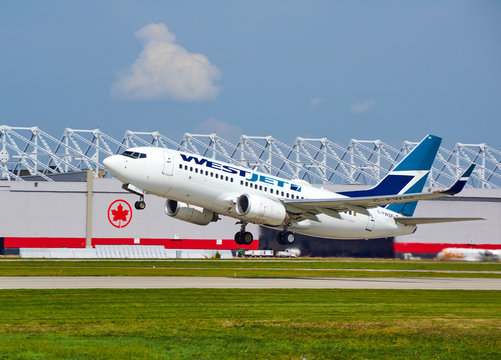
(251, 268)
(249, 324)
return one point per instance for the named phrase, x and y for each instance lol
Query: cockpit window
(134, 155)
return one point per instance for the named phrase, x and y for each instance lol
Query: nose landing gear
(140, 204)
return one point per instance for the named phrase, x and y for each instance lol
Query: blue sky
(389, 70)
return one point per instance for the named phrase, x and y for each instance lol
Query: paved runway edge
(133, 282)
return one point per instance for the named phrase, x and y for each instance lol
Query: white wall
(59, 210)
(42, 209)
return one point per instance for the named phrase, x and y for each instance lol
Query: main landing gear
(243, 237)
(286, 237)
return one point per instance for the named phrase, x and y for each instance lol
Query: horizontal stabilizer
(431, 220)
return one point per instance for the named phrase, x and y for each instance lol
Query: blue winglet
(461, 182)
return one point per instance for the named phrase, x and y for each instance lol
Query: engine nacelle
(260, 210)
(189, 213)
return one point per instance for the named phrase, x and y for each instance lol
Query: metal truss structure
(30, 153)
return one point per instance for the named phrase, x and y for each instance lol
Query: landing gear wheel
(289, 238)
(238, 237)
(140, 205)
(280, 238)
(247, 238)
(286, 238)
(243, 238)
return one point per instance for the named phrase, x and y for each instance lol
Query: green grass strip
(249, 324)
(250, 268)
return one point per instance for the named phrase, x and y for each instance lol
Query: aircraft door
(370, 223)
(168, 164)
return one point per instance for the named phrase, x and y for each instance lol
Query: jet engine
(260, 210)
(189, 213)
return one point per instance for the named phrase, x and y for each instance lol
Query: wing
(420, 220)
(332, 207)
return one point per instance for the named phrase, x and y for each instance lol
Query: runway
(138, 282)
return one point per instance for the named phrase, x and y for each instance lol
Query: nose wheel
(140, 204)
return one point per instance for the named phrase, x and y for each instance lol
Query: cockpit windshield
(134, 155)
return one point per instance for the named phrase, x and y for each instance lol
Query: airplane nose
(112, 164)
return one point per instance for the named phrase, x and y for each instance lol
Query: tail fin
(408, 177)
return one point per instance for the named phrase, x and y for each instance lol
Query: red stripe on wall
(226, 244)
(199, 244)
(112, 241)
(429, 248)
(43, 242)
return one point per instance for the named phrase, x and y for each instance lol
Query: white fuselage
(216, 185)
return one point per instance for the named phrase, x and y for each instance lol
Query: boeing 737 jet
(199, 189)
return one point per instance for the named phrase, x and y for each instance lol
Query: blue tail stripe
(407, 209)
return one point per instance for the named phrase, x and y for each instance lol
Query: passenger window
(217, 176)
(181, 166)
(191, 168)
(196, 170)
(226, 178)
(260, 187)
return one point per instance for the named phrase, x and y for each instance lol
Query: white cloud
(221, 128)
(316, 101)
(363, 107)
(165, 70)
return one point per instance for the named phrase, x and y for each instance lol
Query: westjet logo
(246, 174)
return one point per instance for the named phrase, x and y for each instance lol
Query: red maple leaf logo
(120, 213)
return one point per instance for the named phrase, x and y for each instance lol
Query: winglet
(460, 183)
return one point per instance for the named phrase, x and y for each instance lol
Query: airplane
(469, 254)
(199, 189)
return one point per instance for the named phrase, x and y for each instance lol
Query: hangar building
(55, 192)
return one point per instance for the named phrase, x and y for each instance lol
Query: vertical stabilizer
(408, 177)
